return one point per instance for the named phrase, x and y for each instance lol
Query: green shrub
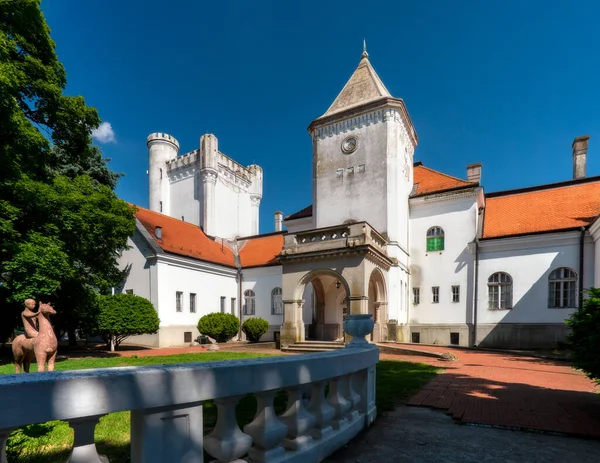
(585, 335)
(219, 326)
(255, 328)
(122, 315)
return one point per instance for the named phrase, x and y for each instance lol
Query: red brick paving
(510, 390)
(489, 388)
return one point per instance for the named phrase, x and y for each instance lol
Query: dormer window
(435, 239)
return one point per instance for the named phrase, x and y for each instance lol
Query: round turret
(162, 148)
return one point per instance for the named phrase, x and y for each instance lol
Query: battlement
(249, 173)
(162, 136)
(184, 160)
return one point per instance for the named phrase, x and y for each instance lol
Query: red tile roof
(430, 181)
(546, 208)
(261, 250)
(185, 239)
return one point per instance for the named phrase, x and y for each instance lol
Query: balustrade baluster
(84, 448)
(351, 396)
(324, 413)
(227, 442)
(4, 434)
(298, 420)
(266, 430)
(339, 403)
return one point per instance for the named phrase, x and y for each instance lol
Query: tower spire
(364, 53)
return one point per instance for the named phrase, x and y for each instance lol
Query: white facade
(363, 171)
(204, 187)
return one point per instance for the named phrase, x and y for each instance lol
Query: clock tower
(363, 158)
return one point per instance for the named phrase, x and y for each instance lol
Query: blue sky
(505, 83)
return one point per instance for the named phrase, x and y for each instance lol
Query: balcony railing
(166, 406)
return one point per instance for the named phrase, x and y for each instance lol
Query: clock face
(349, 145)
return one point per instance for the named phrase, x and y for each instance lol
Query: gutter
(581, 249)
(239, 278)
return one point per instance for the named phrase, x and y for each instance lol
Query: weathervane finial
(364, 53)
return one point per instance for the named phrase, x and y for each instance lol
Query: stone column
(254, 213)
(358, 304)
(209, 213)
(292, 329)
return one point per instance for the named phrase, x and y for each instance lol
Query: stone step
(299, 349)
(314, 346)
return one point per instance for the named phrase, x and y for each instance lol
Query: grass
(51, 442)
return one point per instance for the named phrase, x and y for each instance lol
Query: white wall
(186, 194)
(298, 225)
(529, 261)
(209, 282)
(262, 280)
(452, 266)
(139, 278)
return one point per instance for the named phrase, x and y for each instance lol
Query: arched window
(276, 302)
(562, 288)
(435, 239)
(249, 302)
(500, 291)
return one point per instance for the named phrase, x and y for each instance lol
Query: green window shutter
(435, 243)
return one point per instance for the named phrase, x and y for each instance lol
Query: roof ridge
(546, 186)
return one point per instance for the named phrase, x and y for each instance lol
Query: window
(455, 338)
(562, 289)
(192, 302)
(435, 294)
(455, 293)
(233, 305)
(416, 296)
(178, 301)
(276, 302)
(129, 291)
(249, 302)
(187, 336)
(500, 291)
(435, 239)
(223, 304)
(415, 337)
(160, 205)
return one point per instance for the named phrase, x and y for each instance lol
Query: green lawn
(51, 442)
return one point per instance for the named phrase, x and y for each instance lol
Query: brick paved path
(511, 390)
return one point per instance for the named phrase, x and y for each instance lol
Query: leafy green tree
(255, 328)
(121, 316)
(61, 224)
(585, 335)
(219, 326)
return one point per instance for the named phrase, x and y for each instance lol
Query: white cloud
(104, 133)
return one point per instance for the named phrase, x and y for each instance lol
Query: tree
(61, 224)
(120, 316)
(254, 328)
(585, 335)
(219, 326)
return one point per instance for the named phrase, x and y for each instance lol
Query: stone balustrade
(330, 398)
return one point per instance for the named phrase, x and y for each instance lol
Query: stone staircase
(313, 346)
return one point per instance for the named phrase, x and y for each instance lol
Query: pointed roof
(363, 87)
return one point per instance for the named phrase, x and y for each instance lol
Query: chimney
(278, 221)
(158, 233)
(580, 146)
(474, 172)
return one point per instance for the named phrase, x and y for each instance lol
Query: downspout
(239, 278)
(476, 292)
(581, 249)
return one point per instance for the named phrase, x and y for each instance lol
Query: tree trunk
(112, 342)
(72, 337)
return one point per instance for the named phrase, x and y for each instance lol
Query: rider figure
(29, 320)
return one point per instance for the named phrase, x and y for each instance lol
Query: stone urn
(358, 326)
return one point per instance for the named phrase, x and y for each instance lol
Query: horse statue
(43, 346)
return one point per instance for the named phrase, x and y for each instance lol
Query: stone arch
(378, 303)
(310, 276)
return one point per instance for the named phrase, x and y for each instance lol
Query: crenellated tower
(204, 187)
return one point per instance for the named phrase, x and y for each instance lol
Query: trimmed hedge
(219, 326)
(585, 335)
(255, 328)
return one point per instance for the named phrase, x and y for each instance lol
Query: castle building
(433, 258)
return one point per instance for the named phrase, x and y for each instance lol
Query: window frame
(435, 294)
(178, 301)
(416, 295)
(277, 301)
(249, 300)
(193, 299)
(233, 307)
(455, 294)
(558, 279)
(222, 304)
(435, 239)
(503, 291)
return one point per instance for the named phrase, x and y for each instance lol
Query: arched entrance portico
(378, 304)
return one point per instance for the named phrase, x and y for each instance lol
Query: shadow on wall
(530, 323)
